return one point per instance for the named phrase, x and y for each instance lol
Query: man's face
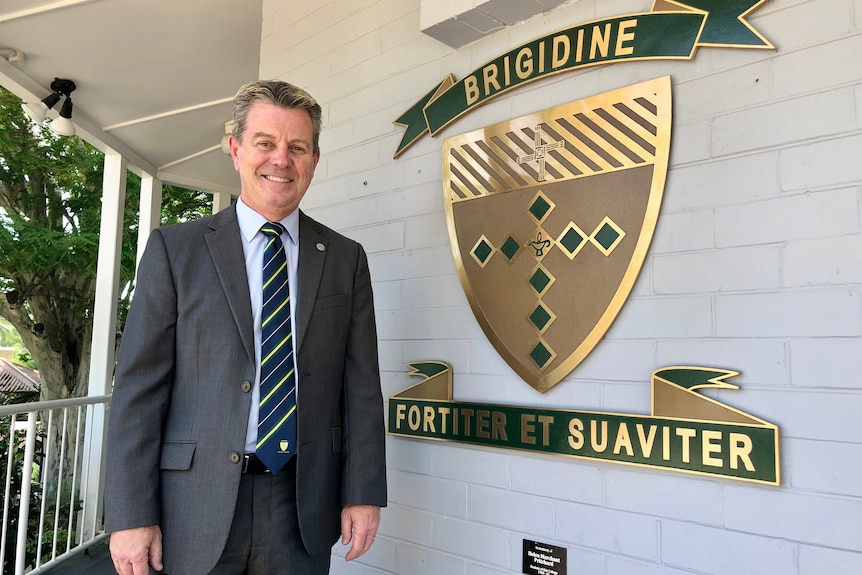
(275, 160)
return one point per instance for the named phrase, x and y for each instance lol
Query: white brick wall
(756, 265)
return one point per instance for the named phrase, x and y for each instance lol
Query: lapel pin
(320, 247)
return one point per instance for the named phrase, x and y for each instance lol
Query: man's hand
(358, 524)
(132, 548)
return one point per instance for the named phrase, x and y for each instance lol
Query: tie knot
(272, 229)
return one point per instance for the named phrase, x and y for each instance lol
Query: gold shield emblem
(550, 217)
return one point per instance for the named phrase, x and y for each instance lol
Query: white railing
(58, 477)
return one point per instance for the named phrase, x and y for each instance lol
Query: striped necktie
(276, 428)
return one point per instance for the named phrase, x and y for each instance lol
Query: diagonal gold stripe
(268, 318)
(275, 273)
(276, 348)
(275, 388)
(276, 428)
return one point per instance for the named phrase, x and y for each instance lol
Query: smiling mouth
(277, 179)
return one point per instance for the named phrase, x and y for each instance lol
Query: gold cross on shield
(539, 151)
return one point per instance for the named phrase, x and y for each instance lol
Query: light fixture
(225, 140)
(60, 88)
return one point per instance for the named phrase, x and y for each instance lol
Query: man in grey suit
(185, 491)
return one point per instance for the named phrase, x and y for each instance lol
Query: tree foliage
(50, 210)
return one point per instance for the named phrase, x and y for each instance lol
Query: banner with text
(686, 430)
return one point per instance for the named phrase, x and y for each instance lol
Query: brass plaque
(550, 217)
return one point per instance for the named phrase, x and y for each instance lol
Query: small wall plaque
(544, 559)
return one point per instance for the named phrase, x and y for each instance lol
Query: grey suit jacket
(181, 399)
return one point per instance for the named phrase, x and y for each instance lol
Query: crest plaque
(550, 217)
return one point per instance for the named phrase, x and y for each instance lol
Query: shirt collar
(250, 222)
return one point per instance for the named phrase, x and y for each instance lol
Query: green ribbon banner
(674, 29)
(718, 441)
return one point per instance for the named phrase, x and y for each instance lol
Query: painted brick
(453, 352)
(804, 216)
(471, 465)
(625, 566)
(404, 203)
(683, 546)
(721, 183)
(401, 265)
(444, 262)
(484, 359)
(735, 269)
(602, 363)
(512, 511)
(689, 143)
(823, 261)
(759, 361)
(456, 323)
(807, 313)
(488, 388)
(683, 231)
(824, 21)
(350, 160)
(722, 92)
(581, 561)
(673, 317)
(607, 529)
(627, 397)
(858, 93)
(406, 524)
(426, 230)
(381, 555)
(815, 519)
(437, 291)
(423, 169)
(828, 362)
(827, 163)
(810, 69)
(389, 355)
(560, 478)
(793, 411)
(570, 391)
(474, 569)
(830, 467)
(345, 215)
(659, 495)
(820, 561)
(378, 238)
(468, 539)
(405, 324)
(387, 295)
(817, 115)
(400, 31)
(408, 455)
(325, 193)
(439, 496)
(412, 559)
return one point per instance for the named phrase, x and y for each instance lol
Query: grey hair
(279, 93)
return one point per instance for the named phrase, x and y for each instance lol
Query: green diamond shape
(482, 251)
(540, 317)
(510, 247)
(607, 236)
(571, 240)
(540, 280)
(540, 208)
(541, 355)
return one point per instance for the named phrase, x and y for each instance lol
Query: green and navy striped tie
(276, 428)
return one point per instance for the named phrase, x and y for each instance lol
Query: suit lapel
(225, 245)
(312, 255)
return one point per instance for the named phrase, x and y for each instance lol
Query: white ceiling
(154, 77)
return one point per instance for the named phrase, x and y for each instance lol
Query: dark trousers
(264, 542)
